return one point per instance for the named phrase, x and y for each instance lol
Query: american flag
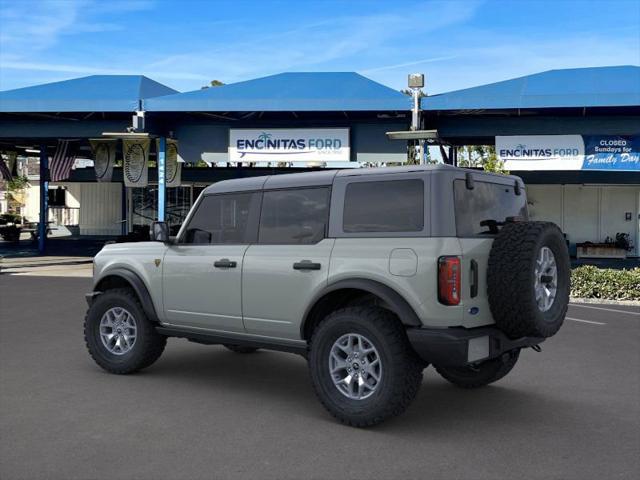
(5, 173)
(62, 161)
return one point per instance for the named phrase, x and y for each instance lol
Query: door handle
(224, 263)
(474, 279)
(306, 265)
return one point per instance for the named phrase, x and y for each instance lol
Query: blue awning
(96, 93)
(288, 92)
(577, 87)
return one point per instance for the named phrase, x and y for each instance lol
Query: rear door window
(487, 201)
(294, 216)
(384, 206)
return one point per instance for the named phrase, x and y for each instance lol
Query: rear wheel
(480, 375)
(362, 367)
(118, 334)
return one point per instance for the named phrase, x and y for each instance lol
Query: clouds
(499, 56)
(229, 44)
(186, 44)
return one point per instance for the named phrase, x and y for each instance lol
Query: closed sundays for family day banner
(569, 152)
(289, 145)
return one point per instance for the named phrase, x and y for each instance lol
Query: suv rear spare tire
(528, 279)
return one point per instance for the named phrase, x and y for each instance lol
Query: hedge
(588, 281)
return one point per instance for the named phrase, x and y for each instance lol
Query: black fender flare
(396, 302)
(139, 287)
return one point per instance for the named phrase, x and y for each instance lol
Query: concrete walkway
(48, 266)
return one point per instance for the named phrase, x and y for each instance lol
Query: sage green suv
(371, 274)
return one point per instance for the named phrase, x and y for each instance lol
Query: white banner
(136, 162)
(104, 157)
(289, 145)
(541, 152)
(173, 166)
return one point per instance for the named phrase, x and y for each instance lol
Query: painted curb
(603, 301)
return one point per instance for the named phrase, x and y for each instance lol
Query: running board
(208, 338)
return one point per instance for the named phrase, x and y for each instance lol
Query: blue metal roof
(299, 92)
(577, 87)
(96, 93)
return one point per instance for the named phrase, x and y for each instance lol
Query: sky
(185, 44)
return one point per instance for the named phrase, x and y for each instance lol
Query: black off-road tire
(401, 368)
(478, 376)
(240, 348)
(148, 346)
(511, 279)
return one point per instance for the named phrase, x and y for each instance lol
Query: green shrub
(593, 282)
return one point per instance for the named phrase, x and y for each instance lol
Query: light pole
(416, 83)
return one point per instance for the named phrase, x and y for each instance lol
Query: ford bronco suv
(371, 274)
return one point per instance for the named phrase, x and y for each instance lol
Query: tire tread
(405, 388)
(153, 343)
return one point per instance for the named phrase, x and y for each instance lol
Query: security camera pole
(416, 83)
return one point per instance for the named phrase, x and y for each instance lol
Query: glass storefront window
(144, 208)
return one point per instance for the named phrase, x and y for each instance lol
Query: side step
(209, 338)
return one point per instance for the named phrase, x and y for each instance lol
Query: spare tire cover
(528, 279)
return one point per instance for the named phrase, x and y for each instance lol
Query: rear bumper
(457, 347)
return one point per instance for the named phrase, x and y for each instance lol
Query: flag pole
(162, 179)
(44, 197)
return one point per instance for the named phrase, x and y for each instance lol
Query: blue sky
(184, 44)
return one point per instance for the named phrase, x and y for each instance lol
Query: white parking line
(584, 321)
(605, 309)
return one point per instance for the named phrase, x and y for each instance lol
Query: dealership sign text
(289, 145)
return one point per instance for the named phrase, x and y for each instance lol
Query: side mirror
(160, 232)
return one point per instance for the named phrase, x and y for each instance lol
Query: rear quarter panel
(370, 258)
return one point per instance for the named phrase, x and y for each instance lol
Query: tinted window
(223, 219)
(296, 216)
(388, 206)
(487, 201)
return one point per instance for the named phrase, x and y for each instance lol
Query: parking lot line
(584, 321)
(603, 308)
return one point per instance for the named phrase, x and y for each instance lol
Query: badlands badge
(136, 156)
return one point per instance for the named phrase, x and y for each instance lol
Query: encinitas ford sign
(569, 152)
(541, 152)
(289, 145)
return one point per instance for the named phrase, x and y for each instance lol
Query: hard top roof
(310, 179)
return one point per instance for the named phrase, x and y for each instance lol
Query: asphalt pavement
(569, 412)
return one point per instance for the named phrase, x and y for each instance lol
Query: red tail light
(449, 280)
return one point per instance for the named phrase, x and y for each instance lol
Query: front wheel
(118, 334)
(480, 375)
(362, 367)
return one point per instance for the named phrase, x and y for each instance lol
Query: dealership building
(573, 135)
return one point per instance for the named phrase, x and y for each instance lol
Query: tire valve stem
(536, 348)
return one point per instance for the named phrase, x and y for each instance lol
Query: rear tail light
(449, 280)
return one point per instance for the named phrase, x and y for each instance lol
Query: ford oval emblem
(474, 310)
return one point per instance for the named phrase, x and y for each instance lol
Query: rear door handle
(225, 263)
(306, 265)
(474, 279)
